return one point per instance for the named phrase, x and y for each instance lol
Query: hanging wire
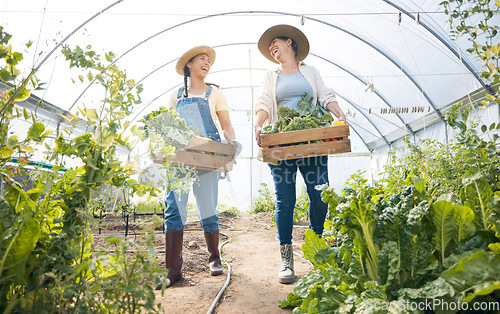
(40, 32)
(422, 82)
(198, 15)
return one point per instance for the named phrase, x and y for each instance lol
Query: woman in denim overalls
(196, 110)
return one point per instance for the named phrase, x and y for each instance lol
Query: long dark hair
(188, 74)
(294, 44)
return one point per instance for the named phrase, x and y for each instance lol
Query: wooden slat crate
(202, 153)
(274, 146)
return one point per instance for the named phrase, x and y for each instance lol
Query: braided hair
(188, 74)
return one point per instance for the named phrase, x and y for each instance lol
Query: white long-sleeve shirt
(267, 99)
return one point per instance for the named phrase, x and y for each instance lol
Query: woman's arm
(260, 118)
(225, 123)
(334, 108)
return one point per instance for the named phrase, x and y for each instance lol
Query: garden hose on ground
(228, 277)
(228, 280)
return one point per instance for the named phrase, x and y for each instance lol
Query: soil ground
(251, 250)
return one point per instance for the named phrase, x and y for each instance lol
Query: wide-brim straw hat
(193, 52)
(284, 30)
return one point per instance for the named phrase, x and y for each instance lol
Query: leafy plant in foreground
(265, 202)
(46, 261)
(409, 244)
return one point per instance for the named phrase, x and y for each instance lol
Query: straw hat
(193, 52)
(283, 30)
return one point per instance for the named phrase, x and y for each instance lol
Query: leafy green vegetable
(270, 129)
(470, 277)
(308, 109)
(164, 127)
(302, 123)
(285, 115)
(445, 226)
(308, 117)
(317, 251)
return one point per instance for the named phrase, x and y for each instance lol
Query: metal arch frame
(371, 123)
(439, 114)
(463, 59)
(313, 54)
(341, 96)
(364, 83)
(278, 13)
(246, 43)
(353, 128)
(364, 115)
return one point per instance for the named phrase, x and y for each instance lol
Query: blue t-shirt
(290, 88)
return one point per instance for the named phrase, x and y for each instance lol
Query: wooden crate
(275, 147)
(204, 154)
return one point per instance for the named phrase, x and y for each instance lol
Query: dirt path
(253, 253)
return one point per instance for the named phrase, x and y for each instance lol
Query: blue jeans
(314, 170)
(205, 189)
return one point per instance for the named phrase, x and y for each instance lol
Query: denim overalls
(196, 112)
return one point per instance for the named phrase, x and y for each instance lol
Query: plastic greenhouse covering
(392, 64)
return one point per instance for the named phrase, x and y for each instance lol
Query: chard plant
(425, 247)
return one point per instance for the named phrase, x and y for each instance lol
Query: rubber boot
(173, 256)
(214, 262)
(286, 274)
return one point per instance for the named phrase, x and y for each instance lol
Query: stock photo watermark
(434, 305)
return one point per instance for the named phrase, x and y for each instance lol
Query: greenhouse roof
(392, 64)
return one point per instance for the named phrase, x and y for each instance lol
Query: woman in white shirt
(288, 46)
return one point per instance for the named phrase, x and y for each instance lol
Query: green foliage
(285, 115)
(302, 123)
(129, 283)
(270, 129)
(409, 240)
(470, 277)
(309, 116)
(265, 201)
(301, 210)
(307, 108)
(46, 258)
(115, 281)
(440, 166)
(166, 132)
(149, 207)
(228, 210)
(317, 251)
(473, 19)
(164, 127)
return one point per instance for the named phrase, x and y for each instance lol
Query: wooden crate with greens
(182, 145)
(201, 153)
(307, 132)
(305, 143)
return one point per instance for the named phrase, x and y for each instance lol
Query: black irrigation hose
(228, 280)
(228, 276)
(121, 234)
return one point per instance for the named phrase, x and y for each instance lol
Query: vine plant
(475, 20)
(46, 259)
